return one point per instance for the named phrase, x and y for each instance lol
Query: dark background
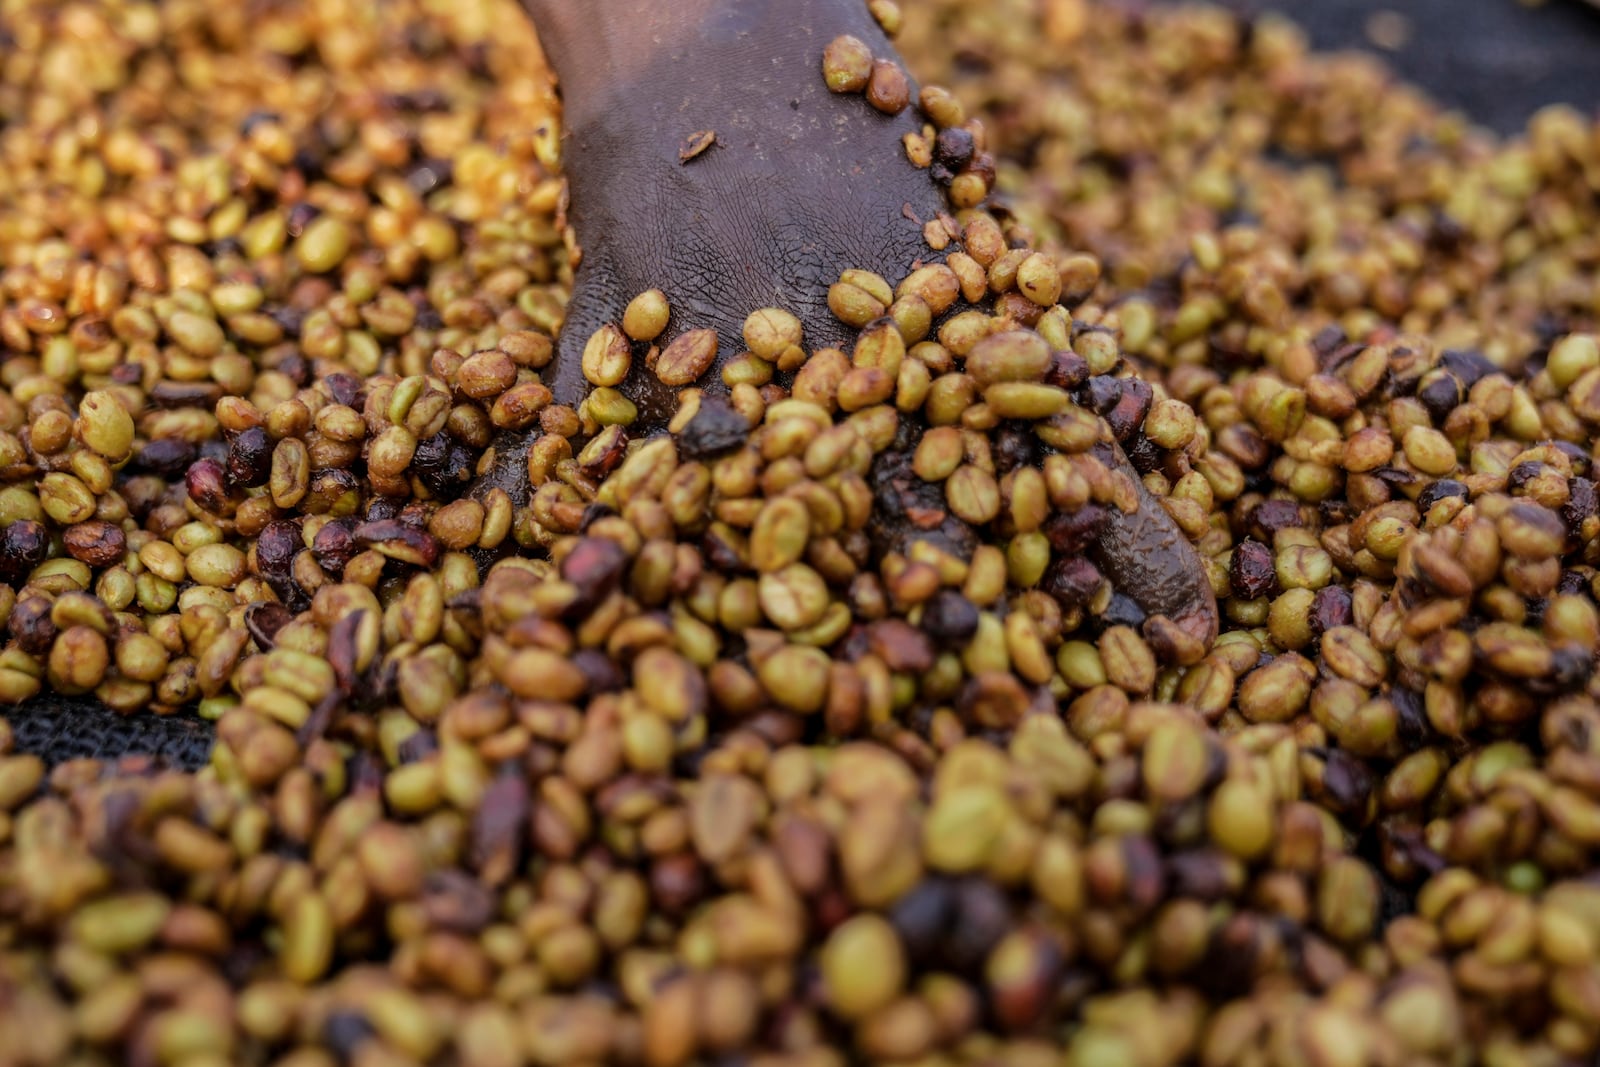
(1497, 60)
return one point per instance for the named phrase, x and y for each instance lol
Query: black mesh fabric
(57, 729)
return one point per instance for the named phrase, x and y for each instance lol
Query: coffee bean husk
(683, 759)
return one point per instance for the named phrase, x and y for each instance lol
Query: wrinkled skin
(801, 184)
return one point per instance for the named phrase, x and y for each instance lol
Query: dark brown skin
(1148, 558)
(801, 184)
